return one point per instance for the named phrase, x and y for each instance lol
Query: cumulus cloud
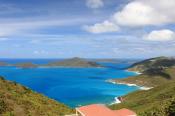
(94, 3)
(146, 12)
(139, 13)
(106, 26)
(160, 35)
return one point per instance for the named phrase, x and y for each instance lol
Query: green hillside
(154, 72)
(151, 79)
(17, 100)
(159, 101)
(153, 63)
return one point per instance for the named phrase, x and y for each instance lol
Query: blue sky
(87, 28)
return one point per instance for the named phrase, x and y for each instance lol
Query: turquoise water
(72, 86)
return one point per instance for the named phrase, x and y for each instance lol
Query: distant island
(73, 62)
(26, 65)
(3, 64)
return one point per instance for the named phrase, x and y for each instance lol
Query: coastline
(129, 84)
(136, 72)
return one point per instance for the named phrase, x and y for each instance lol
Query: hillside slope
(17, 100)
(159, 101)
(154, 72)
(151, 79)
(153, 63)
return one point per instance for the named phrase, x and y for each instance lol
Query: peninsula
(153, 72)
(158, 73)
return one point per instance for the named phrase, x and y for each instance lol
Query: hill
(150, 79)
(159, 101)
(17, 100)
(26, 65)
(74, 62)
(153, 63)
(3, 64)
(154, 72)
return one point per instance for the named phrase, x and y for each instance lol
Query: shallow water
(72, 86)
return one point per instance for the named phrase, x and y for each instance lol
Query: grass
(16, 100)
(151, 79)
(159, 101)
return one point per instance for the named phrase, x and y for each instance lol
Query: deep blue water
(72, 86)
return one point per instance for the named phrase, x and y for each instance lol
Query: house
(102, 110)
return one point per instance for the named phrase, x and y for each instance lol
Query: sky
(87, 28)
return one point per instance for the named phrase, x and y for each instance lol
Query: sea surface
(72, 86)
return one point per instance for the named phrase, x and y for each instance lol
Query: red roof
(101, 110)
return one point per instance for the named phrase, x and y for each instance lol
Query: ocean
(72, 86)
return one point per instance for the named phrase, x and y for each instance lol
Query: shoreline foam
(136, 72)
(129, 84)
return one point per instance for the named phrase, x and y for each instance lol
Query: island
(73, 62)
(16, 99)
(158, 74)
(3, 64)
(26, 65)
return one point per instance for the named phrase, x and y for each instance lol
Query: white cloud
(22, 26)
(94, 3)
(160, 35)
(106, 26)
(146, 12)
(143, 13)
(138, 14)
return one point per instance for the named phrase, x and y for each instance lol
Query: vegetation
(26, 65)
(74, 62)
(159, 101)
(3, 64)
(151, 79)
(154, 71)
(153, 63)
(17, 100)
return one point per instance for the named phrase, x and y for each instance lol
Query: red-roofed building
(102, 110)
